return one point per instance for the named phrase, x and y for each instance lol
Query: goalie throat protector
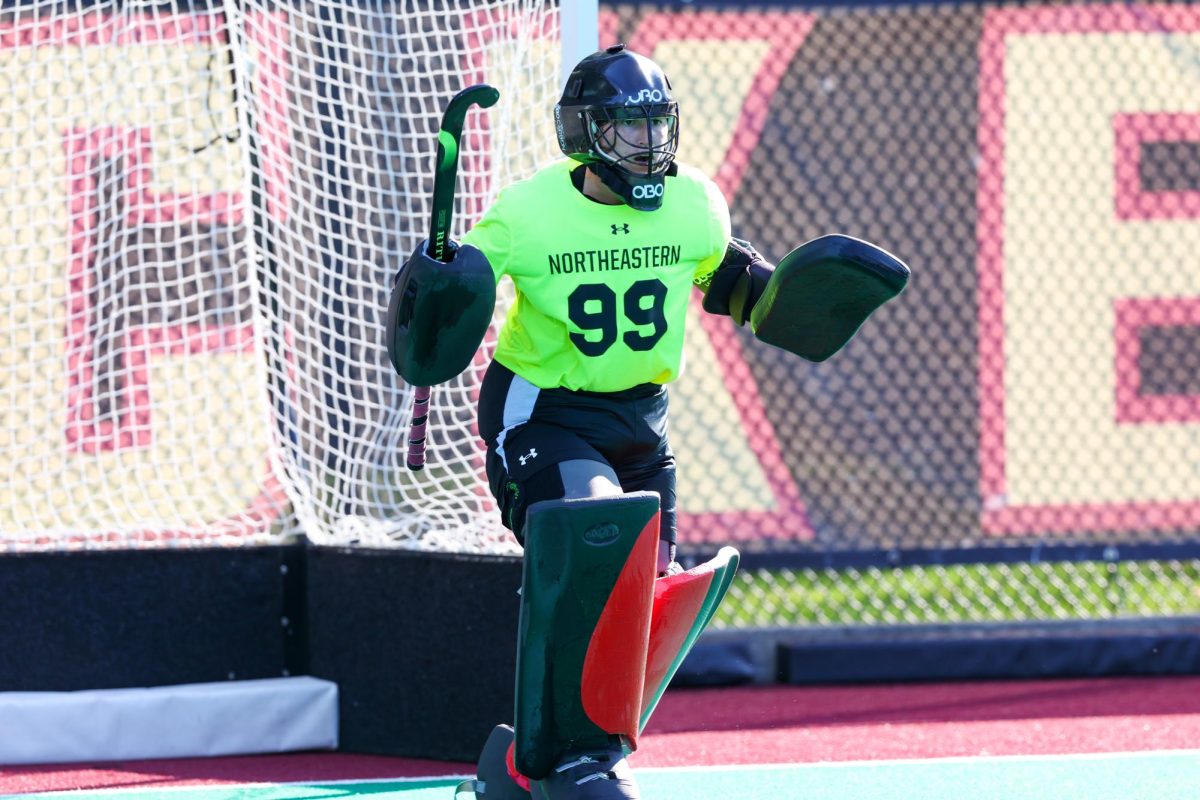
(618, 116)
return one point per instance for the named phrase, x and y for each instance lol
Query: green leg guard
(586, 599)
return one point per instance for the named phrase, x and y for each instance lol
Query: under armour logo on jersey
(532, 454)
(620, 229)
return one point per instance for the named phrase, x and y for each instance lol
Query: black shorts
(528, 430)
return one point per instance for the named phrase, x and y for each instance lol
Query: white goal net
(205, 205)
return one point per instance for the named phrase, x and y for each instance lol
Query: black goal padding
(1005, 652)
(124, 618)
(421, 645)
(717, 663)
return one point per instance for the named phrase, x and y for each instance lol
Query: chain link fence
(1016, 437)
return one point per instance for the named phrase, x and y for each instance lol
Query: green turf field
(1168, 775)
(962, 593)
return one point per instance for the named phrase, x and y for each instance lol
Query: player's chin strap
(640, 192)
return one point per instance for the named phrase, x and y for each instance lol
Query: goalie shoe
(594, 775)
(589, 775)
(496, 778)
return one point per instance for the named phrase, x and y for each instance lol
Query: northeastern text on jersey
(614, 258)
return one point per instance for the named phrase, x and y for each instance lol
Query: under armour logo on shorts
(620, 228)
(532, 454)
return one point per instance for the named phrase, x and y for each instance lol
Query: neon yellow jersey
(601, 291)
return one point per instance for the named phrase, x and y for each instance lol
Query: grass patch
(962, 593)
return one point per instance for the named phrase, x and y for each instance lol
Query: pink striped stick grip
(416, 431)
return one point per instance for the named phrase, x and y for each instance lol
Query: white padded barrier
(190, 720)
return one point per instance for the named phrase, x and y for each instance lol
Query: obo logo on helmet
(645, 96)
(558, 126)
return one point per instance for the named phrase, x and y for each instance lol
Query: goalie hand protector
(822, 292)
(738, 282)
(438, 313)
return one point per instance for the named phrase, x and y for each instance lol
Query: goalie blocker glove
(817, 297)
(438, 313)
(738, 282)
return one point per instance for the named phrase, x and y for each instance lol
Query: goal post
(580, 34)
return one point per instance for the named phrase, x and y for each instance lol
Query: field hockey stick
(445, 174)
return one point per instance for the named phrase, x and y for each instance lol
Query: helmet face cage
(640, 140)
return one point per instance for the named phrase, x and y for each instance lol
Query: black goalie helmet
(618, 116)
